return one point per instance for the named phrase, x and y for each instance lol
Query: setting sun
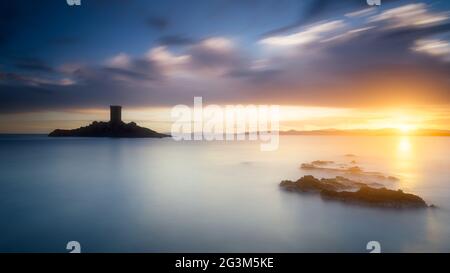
(405, 128)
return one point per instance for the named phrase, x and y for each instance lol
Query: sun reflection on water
(405, 162)
(404, 145)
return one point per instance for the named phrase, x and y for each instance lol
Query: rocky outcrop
(349, 191)
(309, 183)
(322, 162)
(344, 169)
(376, 197)
(108, 129)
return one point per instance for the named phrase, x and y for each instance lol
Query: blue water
(158, 195)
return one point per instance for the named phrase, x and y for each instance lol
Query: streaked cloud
(361, 13)
(309, 35)
(34, 81)
(412, 15)
(434, 47)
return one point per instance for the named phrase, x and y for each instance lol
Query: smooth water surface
(159, 195)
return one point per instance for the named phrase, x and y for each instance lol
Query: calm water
(153, 195)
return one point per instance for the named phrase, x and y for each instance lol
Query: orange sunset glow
(246, 128)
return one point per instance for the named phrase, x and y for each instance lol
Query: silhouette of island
(114, 128)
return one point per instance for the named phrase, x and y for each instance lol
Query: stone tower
(115, 114)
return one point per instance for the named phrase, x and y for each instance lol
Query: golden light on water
(405, 162)
(404, 145)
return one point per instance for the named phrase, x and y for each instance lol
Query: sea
(162, 195)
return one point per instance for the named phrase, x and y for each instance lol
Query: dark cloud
(91, 86)
(176, 40)
(157, 22)
(33, 64)
(95, 87)
(16, 79)
(136, 70)
(10, 77)
(139, 69)
(255, 75)
(413, 33)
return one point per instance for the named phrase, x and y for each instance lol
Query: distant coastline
(368, 132)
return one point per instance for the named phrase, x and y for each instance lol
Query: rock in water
(376, 197)
(309, 183)
(333, 189)
(114, 128)
(107, 129)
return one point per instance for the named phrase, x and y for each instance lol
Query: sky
(329, 64)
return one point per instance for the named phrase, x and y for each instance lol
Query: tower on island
(115, 114)
(114, 128)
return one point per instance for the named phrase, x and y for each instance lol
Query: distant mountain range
(369, 132)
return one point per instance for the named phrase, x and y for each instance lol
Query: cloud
(33, 64)
(155, 64)
(362, 13)
(316, 10)
(217, 55)
(176, 40)
(412, 15)
(368, 64)
(350, 61)
(157, 22)
(434, 47)
(309, 35)
(122, 67)
(121, 60)
(167, 62)
(19, 79)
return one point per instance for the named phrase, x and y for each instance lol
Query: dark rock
(376, 197)
(322, 162)
(308, 166)
(354, 169)
(333, 189)
(309, 183)
(392, 178)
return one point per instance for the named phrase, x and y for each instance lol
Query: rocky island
(353, 170)
(114, 128)
(349, 191)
